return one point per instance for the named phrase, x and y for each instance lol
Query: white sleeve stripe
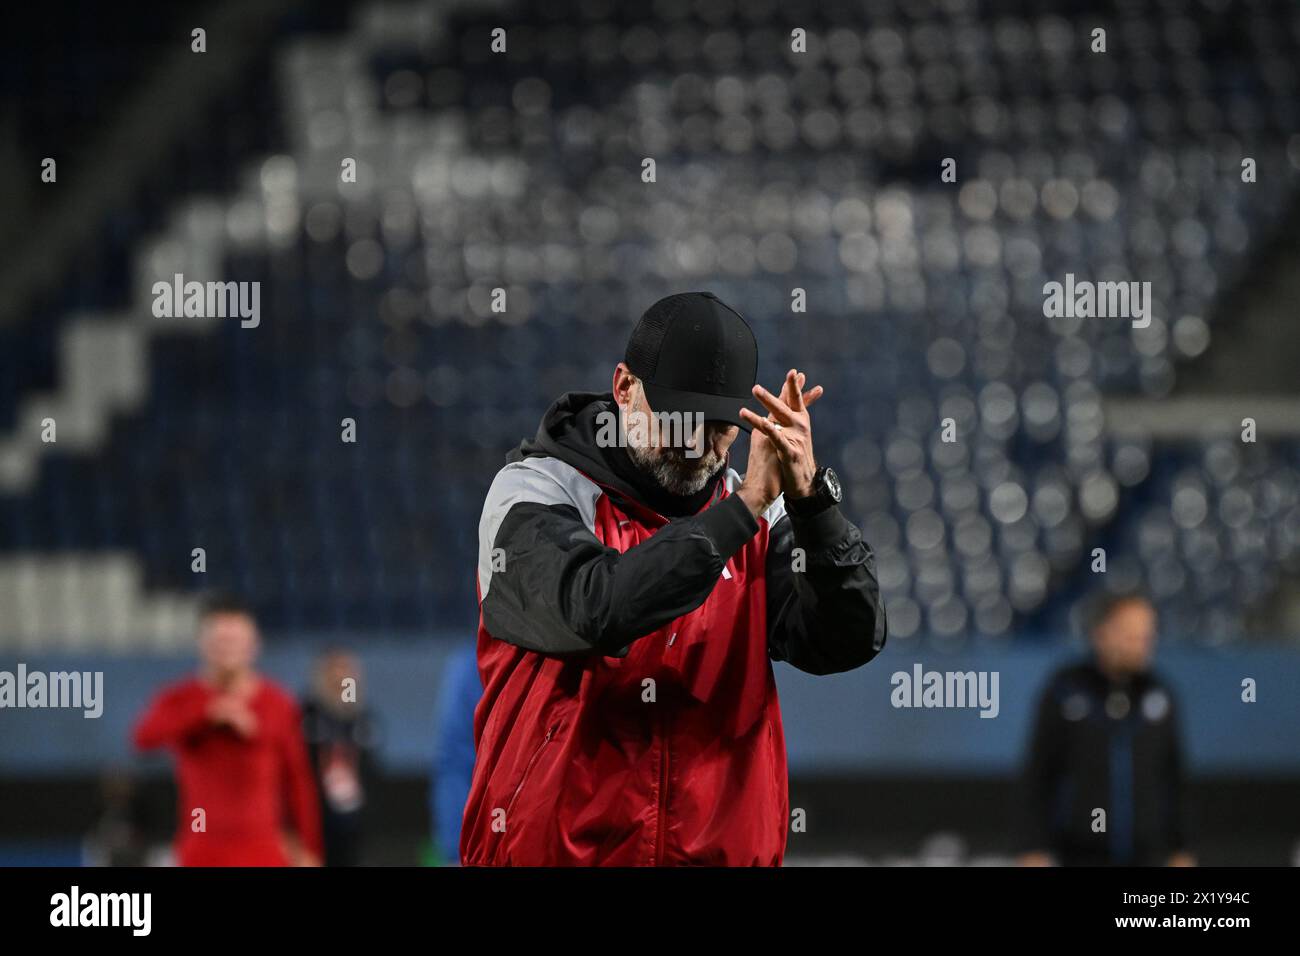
(545, 481)
(775, 511)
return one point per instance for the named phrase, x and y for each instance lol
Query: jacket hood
(568, 432)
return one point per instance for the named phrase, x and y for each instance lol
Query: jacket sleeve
(299, 783)
(172, 718)
(548, 584)
(824, 613)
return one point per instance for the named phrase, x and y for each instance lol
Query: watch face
(833, 485)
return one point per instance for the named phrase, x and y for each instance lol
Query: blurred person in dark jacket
(121, 835)
(1106, 738)
(341, 741)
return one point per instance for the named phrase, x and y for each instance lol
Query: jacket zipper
(661, 822)
(527, 770)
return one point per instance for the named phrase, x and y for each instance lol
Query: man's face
(228, 642)
(336, 667)
(681, 464)
(1126, 639)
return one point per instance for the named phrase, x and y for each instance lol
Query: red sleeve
(300, 783)
(172, 717)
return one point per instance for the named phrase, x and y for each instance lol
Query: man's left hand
(786, 432)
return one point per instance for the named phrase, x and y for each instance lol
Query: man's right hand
(232, 711)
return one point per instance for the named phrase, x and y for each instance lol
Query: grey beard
(682, 477)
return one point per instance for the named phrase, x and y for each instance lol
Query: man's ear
(623, 384)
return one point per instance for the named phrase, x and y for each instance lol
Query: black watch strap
(825, 494)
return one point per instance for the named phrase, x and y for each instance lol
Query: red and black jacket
(629, 713)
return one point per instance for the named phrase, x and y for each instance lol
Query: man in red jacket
(633, 592)
(242, 764)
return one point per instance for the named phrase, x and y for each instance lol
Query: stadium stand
(774, 171)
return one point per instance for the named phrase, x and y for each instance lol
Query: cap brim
(713, 408)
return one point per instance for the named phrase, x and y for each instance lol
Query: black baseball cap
(695, 354)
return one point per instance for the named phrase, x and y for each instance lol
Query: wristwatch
(826, 493)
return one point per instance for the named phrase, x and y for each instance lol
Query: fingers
(792, 397)
(753, 419)
(794, 384)
(792, 404)
(770, 430)
(804, 399)
(779, 409)
(790, 388)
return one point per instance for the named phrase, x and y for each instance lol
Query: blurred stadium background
(775, 170)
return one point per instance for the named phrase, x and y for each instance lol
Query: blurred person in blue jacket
(453, 757)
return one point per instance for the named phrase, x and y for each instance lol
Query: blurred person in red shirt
(246, 793)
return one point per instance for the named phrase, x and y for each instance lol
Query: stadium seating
(774, 170)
